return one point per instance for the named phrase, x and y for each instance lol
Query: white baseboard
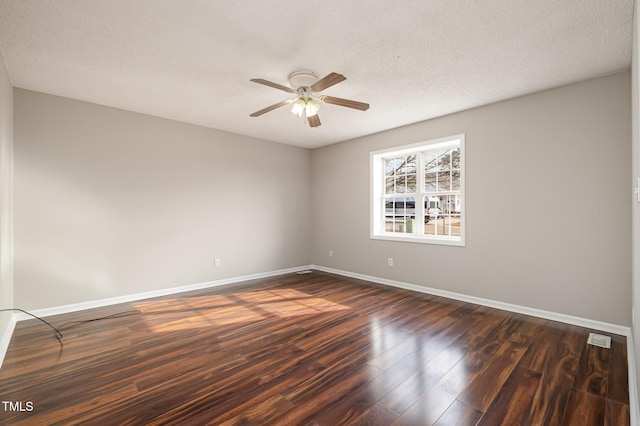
(75, 307)
(553, 316)
(6, 337)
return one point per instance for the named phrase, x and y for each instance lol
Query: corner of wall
(634, 339)
(6, 207)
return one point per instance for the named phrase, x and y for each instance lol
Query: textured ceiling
(412, 60)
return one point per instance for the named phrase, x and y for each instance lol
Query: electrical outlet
(217, 263)
(330, 253)
(390, 261)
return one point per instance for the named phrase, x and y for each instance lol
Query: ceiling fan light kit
(305, 85)
(306, 106)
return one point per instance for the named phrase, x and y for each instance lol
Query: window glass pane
(430, 182)
(399, 215)
(401, 177)
(401, 184)
(400, 165)
(444, 160)
(442, 216)
(430, 161)
(455, 159)
(390, 186)
(444, 225)
(390, 165)
(444, 181)
(411, 182)
(408, 164)
(450, 204)
(432, 206)
(455, 180)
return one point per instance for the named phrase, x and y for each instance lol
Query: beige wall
(6, 191)
(111, 203)
(547, 193)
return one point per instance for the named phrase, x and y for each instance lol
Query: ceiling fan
(305, 85)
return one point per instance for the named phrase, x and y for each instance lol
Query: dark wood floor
(313, 349)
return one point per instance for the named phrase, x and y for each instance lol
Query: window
(417, 192)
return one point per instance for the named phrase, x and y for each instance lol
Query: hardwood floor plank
(559, 370)
(593, 370)
(428, 408)
(513, 401)
(391, 345)
(312, 349)
(258, 413)
(318, 396)
(250, 404)
(421, 380)
(357, 405)
(584, 409)
(453, 332)
(459, 414)
(618, 371)
(483, 389)
(326, 332)
(616, 414)
(410, 317)
(463, 311)
(330, 378)
(536, 357)
(440, 322)
(158, 374)
(376, 415)
(485, 320)
(356, 408)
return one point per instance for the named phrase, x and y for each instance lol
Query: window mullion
(419, 220)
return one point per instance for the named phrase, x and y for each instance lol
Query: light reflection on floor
(425, 362)
(216, 310)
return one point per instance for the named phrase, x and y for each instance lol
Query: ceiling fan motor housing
(298, 79)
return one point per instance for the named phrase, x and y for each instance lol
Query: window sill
(445, 241)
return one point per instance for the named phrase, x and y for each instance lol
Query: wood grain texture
(315, 349)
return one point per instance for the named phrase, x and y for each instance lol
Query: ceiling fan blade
(327, 81)
(345, 103)
(314, 120)
(270, 108)
(272, 84)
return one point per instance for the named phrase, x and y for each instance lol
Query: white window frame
(377, 184)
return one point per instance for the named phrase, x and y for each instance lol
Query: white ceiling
(411, 60)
